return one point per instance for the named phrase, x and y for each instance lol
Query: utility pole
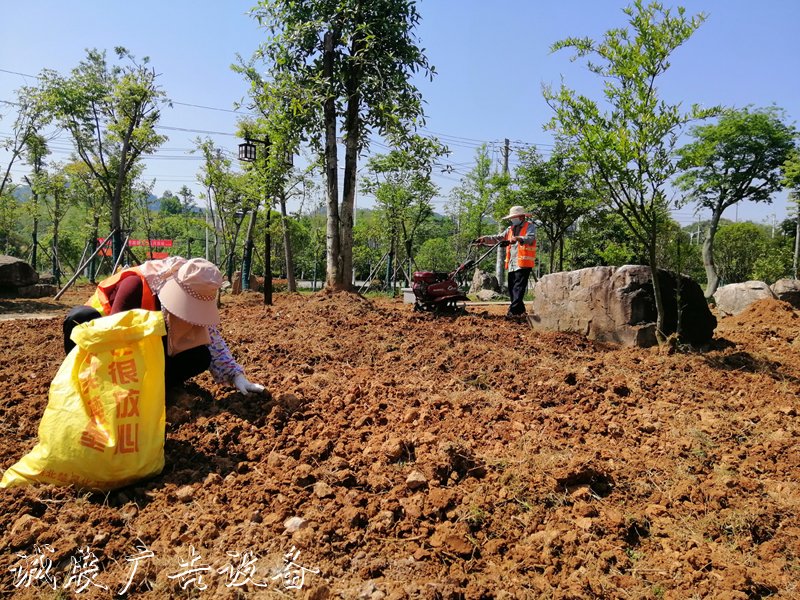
(500, 258)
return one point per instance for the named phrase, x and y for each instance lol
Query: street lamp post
(247, 153)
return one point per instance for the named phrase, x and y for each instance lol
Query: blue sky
(491, 57)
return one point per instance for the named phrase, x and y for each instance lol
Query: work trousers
(517, 286)
(177, 368)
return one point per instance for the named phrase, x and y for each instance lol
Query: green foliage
(555, 191)
(738, 247)
(348, 62)
(475, 200)
(628, 139)
(739, 157)
(31, 116)
(401, 185)
(436, 254)
(110, 112)
(677, 253)
(10, 240)
(775, 263)
(602, 238)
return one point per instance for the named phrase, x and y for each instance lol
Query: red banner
(152, 244)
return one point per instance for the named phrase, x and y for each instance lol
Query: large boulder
(488, 295)
(787, 290)
(482, 280)
(39, 290)
(733, 298)
(616, 304)
(15, 273)
(236, 284)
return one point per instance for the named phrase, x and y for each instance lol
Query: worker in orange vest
(185, 291)
(520, 240)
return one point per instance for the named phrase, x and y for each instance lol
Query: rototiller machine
(442, 291)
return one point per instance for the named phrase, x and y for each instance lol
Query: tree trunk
(56, 222)
(116, 200)
(92, 248)
(352, 129)
(348, 204)
(408, 243)
(247, 255)
(796, 240)
(390, 264)
(499, 261)
(708, 254)
(333, 272)
(659, 300)
(291, 284)
(35, 247)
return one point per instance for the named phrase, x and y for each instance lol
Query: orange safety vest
(99, 299)
(526, 253)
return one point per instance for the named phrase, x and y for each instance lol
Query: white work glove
(244, 386)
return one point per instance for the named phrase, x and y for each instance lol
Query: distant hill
(22, 193)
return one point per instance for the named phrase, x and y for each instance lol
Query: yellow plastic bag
(104, 423)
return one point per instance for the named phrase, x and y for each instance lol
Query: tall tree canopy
(791, 174)
(737, 158)
(401, 184)
(111, 112)
(343, 64)
(555, 191)
(627, 140)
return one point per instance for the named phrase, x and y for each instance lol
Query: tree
(25, 139)
(170, 204)
(739, 245)
(31, 117)
(436, 254)
(53, 187)
(555, 191)
(401, 184)
(111, 112)
(628, 147)
(602, 238)
(791, 169)
(228, 201)
(87, 194)
(473, 202)
(37, 150)
(347, 63)
(737, 158)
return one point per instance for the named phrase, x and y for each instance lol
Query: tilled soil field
(399, 455)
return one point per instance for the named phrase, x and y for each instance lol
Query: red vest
(526, 253)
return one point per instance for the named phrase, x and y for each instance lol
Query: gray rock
(293, 524)
(787, 290)
(416, 480)
(733, 298)
(15, 273)
(36, 291)
(487, 295)
(614, 304)
(482, 280)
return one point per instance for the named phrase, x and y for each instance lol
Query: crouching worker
(185, 291)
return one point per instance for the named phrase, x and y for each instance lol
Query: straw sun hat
(516, 211)
(191, 294)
